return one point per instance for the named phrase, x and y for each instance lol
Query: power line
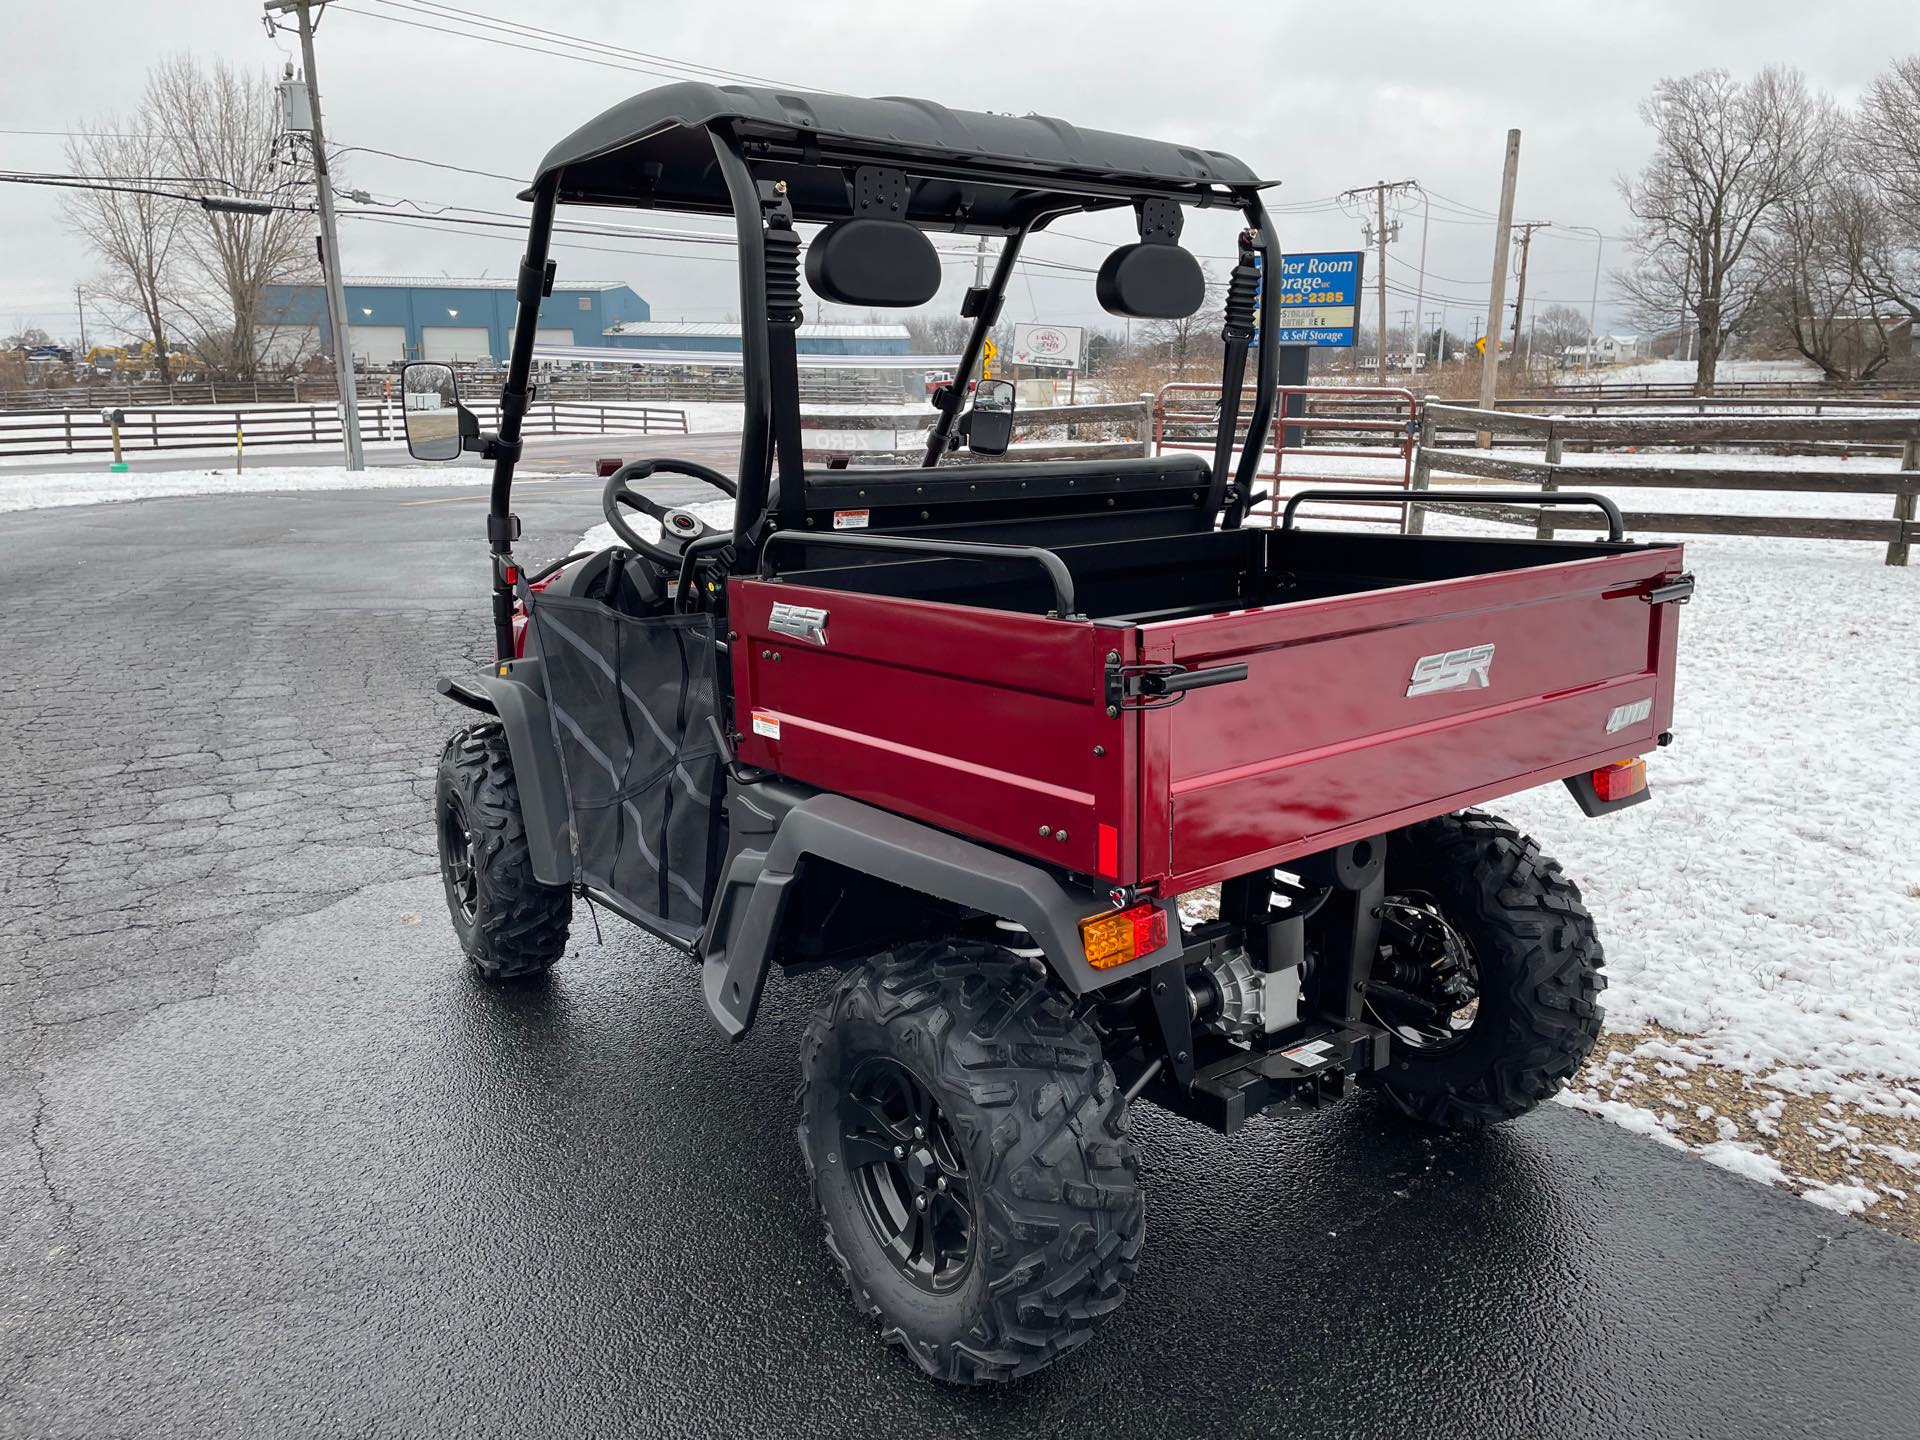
(561, 37)
(531, 49)
(435, 164)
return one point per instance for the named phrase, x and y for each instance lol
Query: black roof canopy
(976, 172)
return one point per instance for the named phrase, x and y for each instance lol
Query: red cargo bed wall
(981, 721)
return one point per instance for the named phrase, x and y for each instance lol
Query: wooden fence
(601, 385)
(1553, 433)
(82, 432)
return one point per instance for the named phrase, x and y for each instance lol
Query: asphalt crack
(1801, 1279)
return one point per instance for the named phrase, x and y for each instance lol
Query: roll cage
(768, 159)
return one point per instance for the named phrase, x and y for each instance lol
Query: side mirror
(437, 423)
(990, 430)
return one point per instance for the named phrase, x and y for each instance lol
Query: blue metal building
(391, 318)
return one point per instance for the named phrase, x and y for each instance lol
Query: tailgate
(1364, 712)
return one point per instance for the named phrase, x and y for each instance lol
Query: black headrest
(1151, 282)
(865, 261)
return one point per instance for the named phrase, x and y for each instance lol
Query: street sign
(1050, 347)
(1481, 344)
(987, 351)
(1319, 299)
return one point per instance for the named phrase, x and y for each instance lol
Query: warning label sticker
(767, 725)
(850, 519)
(1314, 1052)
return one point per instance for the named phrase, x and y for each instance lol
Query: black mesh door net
(631, 700)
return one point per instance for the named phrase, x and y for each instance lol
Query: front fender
(519, 700)
(756, 887)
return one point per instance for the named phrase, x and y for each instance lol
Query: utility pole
(1520, 293)
(1377, 234)
(1380, 281)
(1497, 290)
(329, 236)
(1593, 303)
(80, 304)
(1420, 291)
(980, 263)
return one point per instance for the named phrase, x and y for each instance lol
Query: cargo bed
(1387, 678)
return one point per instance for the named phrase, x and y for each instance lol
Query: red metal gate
(1345, 435)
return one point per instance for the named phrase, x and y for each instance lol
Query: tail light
(1620, 779)
(1122, 935)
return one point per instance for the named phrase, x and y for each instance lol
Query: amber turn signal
(1122, 935)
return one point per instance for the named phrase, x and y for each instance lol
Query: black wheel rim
(1426, 981)
(456, 853)
(909, 1174)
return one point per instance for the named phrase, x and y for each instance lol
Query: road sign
(1319, 299)
(987, 351)
(1481, 344)
(1049, 347)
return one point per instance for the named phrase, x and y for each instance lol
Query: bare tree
(1886, 142)
(1816, 298)
(1182, 342)
(222, 126)
(1726, 157)
(135, 232)
(1558, 327)
(1887, 130)
(935, 332)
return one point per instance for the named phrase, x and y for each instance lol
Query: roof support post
(1267, 358)
(756, 453)
(985, 309)
(515, 395)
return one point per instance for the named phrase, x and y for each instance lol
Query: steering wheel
(677, 526)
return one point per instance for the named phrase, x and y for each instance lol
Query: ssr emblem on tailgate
(1468, 669)
(803, 622)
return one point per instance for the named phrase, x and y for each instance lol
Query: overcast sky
(1320, 97)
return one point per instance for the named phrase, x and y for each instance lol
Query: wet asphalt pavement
(274, 1164)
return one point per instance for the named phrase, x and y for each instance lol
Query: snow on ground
(1761, 915)
(39, 492)
(1682, 372)
(708, 417)
(1766, 903)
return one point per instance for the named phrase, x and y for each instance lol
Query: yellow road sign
(988, 350)
(1481, 344)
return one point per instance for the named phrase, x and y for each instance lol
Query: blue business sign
(1319, 299)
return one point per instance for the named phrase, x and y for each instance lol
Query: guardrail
(1312, 425)
(1552, 433)
(82, 432)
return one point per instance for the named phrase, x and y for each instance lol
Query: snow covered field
(1682, 372)
(24, 490)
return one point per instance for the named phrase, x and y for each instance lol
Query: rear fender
(519, 700)
(773, 830)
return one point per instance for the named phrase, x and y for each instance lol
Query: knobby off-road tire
(1026, 1102)
(510, 925)
(1538, 959)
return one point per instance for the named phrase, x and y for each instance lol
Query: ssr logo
(802, 622)
(1468, 669)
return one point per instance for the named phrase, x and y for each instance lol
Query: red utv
(967, 731)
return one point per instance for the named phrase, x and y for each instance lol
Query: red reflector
(1109, 857)
(1620, 780)
(511, 574)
